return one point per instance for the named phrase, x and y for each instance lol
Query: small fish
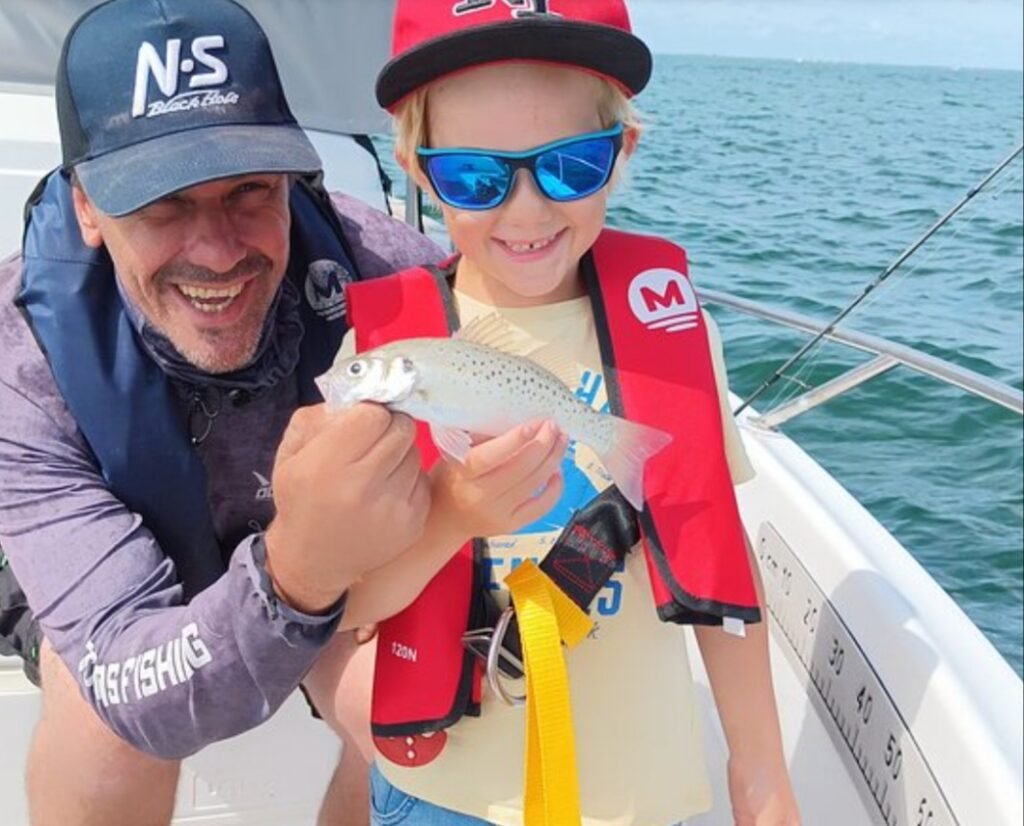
(476, 383)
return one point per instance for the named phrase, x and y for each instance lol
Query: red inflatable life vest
(658, 371)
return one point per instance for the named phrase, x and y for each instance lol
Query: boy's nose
(526, 201)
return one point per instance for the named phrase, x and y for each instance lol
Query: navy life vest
(658, 368)
(120, 398)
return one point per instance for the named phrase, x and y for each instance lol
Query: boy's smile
(527, 250)
(535, 250)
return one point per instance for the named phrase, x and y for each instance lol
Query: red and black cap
(434, 38)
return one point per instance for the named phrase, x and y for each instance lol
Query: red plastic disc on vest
(414, 750)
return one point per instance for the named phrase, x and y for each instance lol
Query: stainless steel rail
(891, 354)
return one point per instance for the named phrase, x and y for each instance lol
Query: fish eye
(355, 369)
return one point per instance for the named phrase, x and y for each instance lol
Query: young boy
(513, 115)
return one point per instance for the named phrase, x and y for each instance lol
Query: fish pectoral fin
(451, 441)
(495, 332)
(557, 361)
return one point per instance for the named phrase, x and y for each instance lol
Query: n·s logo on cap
(664, 299)
(520, 8)
(204, 70)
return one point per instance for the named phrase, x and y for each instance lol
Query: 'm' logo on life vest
(167, 70)
(664, 300)
(325, 288)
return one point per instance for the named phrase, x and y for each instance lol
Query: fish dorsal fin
(557, 361)
(493, 331)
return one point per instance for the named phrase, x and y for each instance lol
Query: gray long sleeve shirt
(169, 676)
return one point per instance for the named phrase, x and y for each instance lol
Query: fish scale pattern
(483, 390)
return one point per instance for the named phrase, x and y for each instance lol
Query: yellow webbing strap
(551, 794)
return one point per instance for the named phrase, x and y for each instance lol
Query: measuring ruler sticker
(892, 774)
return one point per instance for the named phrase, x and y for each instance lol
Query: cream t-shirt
(638, 741)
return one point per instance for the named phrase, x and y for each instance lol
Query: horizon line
(840, 62)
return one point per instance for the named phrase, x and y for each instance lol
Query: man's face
(202, 265)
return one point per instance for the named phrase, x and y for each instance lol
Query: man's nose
(215, 242)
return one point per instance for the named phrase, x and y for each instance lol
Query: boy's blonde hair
(412, 127)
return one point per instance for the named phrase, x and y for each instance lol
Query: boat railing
(886, 355)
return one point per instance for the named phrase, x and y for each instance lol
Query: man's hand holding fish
(369, 487)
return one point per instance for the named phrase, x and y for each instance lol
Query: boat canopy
(328, 52)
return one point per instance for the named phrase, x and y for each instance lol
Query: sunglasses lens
(576, 170)
(469, 181)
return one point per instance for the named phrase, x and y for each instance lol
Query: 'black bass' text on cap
(204, 70)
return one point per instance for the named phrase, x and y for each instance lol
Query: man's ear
(87, 215)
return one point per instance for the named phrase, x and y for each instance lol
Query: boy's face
(527, 250)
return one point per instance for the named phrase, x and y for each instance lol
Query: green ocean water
(794, 184)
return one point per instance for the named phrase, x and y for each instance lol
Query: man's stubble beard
(211, 356)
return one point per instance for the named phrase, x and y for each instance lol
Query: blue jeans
(392, 807)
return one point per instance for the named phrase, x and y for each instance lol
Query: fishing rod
(895, 265)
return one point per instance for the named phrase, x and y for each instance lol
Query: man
(184, 537)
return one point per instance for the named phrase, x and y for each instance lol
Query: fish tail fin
(632, 445)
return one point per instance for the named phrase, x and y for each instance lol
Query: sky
(959, 33)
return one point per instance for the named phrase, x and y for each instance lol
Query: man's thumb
(305, 423)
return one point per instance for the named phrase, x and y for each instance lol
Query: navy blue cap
(155, 96)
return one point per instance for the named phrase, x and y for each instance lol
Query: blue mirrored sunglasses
(565, 170)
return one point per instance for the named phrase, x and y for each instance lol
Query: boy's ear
(630, 140)
(409, 166)
(414, 171)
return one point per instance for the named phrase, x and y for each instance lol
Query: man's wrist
(312, 601)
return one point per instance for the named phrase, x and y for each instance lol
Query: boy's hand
(505, 483)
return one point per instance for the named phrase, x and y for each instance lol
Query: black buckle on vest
(581, 561)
